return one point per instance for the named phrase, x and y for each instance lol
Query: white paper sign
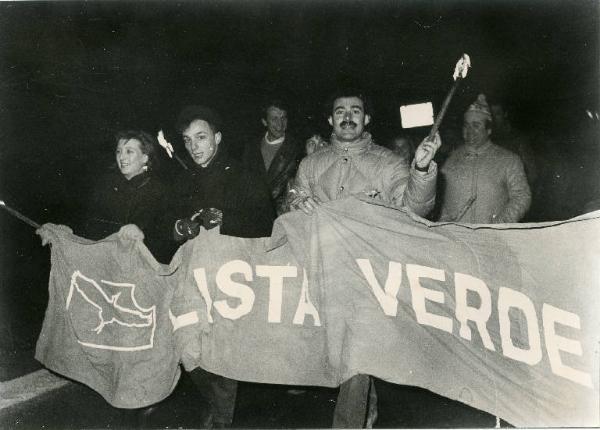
(417, 115)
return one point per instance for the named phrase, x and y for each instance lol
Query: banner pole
(19, 215)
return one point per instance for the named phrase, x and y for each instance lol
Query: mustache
(348, 123)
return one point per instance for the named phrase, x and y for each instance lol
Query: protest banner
(502, 318)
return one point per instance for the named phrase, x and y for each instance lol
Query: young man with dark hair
(216, 191)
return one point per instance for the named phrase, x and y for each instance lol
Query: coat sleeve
(158, 224)
(300, 188)
(179, 204)
(251, 213)
(412, 189)
(519, 194)
(280, 185)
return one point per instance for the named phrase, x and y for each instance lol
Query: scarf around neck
(274, 142)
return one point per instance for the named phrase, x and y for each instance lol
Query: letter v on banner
(388, 296)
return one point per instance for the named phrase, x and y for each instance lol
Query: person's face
(498, 116)
(474, 131)
(200, 141)
(401, 147)
(348, 119)
(314, 143)
(276, 122)
(130, 158)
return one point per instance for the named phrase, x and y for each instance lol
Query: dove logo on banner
(106, 315)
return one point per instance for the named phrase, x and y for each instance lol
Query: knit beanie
(481, 107)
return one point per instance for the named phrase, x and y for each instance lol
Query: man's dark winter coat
(226, 185)
(282, 168)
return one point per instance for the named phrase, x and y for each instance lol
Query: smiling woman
(131, 201)
(132, 157)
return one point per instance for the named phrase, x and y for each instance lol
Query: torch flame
(462, 67)
(163, 142)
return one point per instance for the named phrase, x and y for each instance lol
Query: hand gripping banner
(503, 318)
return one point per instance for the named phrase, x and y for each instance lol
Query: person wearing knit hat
(483, 182)
(481, 107)
(477, 126)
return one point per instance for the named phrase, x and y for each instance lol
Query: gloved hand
(208, 218)
(186, 229)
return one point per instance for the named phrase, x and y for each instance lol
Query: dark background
(73, 73)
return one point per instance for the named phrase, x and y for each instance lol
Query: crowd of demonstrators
(485, 179)
(481, 181)
(352, 164)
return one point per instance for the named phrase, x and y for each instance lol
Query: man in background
(276, 155)
(482, 182)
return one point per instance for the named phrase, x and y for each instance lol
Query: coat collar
(478, 151)
(138, 181)
(220, 160)
(359, 146)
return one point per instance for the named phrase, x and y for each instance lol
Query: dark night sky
(73, 73)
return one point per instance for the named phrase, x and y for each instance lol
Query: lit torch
(169, 148)
(460, 72)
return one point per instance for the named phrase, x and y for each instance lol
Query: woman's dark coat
(142, 200)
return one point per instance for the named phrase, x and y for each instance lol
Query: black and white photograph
(299, 214)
